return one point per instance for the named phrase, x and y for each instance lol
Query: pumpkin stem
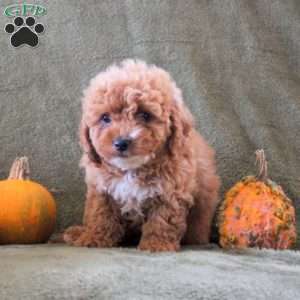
(19, 169)
(262, 165)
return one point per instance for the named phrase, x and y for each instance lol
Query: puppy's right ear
(86, 143)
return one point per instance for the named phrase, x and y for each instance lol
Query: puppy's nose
(121, 144)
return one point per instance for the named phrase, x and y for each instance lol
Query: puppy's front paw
(158, 246)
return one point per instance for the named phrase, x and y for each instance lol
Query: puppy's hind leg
(72, 233)
(102, 225)
(199, 220)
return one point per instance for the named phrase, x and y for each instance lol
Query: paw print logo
(24, 33)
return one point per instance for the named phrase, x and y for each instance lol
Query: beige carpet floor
(62, 272)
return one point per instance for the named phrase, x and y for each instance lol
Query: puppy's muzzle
(121, 144)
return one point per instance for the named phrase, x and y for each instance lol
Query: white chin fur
(129, 163)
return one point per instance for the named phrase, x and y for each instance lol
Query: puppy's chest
(130, 192)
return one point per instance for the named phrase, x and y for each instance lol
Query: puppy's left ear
(181, 124)
(86, 143)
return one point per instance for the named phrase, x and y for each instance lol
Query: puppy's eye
(145, 116)
(105, 118)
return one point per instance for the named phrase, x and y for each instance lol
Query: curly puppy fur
(161, 189)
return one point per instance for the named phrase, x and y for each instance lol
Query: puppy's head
(133, 113)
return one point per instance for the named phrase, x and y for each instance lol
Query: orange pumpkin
(257, 213)
(27, 209)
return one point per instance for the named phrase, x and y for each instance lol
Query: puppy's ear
(86, 143)
(181, 124)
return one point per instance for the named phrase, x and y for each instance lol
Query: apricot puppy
(149, 173)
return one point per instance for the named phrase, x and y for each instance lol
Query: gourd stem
(20, 169)
(262, 165)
